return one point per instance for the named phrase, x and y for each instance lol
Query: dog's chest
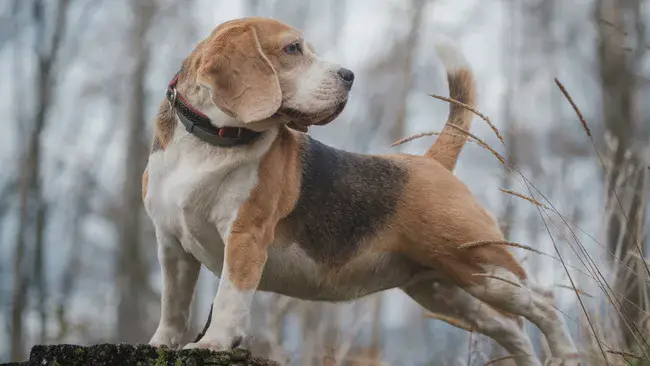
(195, 196)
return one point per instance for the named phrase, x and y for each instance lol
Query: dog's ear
(240, 77)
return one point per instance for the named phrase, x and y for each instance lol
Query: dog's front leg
(180, 271)
(245, 257)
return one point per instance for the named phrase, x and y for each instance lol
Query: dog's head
(256, 68)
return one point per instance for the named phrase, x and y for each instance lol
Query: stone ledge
(137, 355)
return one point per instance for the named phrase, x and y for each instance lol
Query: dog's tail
(449, 144)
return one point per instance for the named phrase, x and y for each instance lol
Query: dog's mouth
(339, 109)
(301, 121)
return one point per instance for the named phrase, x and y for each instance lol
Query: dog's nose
(347, 76)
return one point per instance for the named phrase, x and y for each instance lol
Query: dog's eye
(293, 48)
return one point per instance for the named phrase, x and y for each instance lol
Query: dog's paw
(166, 338)
(572, 360)
(214, 344)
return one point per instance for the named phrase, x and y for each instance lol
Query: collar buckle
(172, 101)
(200, 125)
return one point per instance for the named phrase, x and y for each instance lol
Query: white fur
(521, 300)
(318, 90)
(291, 272)
(230, 311)
(193, 196)
(450, 55)
(194, 193)
(452, 301)
(180, 273)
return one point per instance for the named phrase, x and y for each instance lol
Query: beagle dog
(231, 186)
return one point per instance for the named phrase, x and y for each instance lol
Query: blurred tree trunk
(376, 340)
(252, 8)
(506, 221)
(132, 270)
(312, 340)
(83, 190)
(295, 13)
(394, 75)
(397, 129)
(509, 71)
(626, 170)
(32, 205)
(337, 21)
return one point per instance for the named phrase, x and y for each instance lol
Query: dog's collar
(201, 126)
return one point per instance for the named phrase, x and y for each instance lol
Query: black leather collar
(201, 126)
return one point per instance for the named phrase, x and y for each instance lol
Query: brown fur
(271, 200)
(244, 83)
(437, 214)
(145, 183)
(279, 176)
(164, 126)
(449, 144)
(216, 53)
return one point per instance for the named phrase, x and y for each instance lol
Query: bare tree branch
(31, 200)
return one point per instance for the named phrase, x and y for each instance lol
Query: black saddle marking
(344, 198)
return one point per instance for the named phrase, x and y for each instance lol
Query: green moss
(163, 356)
(140, 355)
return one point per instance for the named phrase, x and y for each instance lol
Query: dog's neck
(168, 123)
(204, 103)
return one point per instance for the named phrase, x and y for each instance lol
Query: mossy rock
(138, 355)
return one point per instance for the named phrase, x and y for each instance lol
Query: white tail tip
(450, 55)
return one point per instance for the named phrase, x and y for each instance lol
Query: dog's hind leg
(452, 301)
(504, 290)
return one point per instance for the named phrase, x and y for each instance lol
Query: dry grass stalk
(477, 244)
(600, 279)
(458, 128)
(577, 289)
(522, 196)
(479, 141)
(448, 319)
(516, 169)
(575, 107)
(497, 360)
(591, 325)
(625, 354)
(593, 142)
(469, 108)
(423, 134)
(496, 278)
(414, 137)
